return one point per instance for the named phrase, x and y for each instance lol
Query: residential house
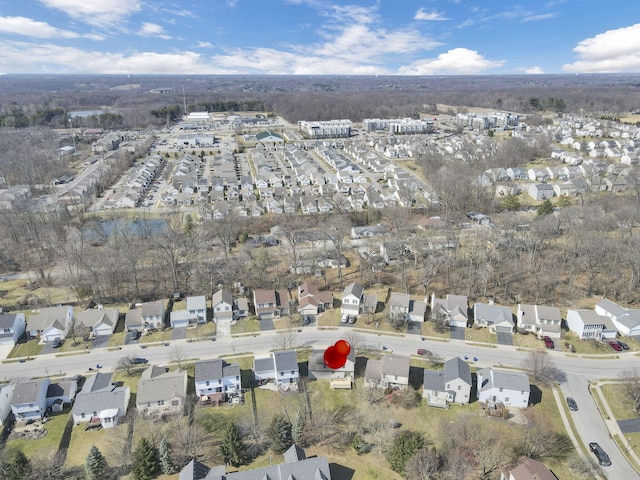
(61, 393)
(12, 328)
(496, 318)
(50, 323)
(589, 324)
(29, 399)
(182, 318)
(133, 320)
(626, 321)
(319, 370)
(392, 371)
(355, 301)
(6, 394)
(222, 305)
(453, 307)
(527, 469)
(216, 380)
(263, 369)
(510, 388)
(296, 466)
(197, 305)
(541, 320)
(286, 369)
(541, 191)
(153, 314)
(96, 322)
(451, 384)
(311, 302)
(101, 400)
(161, 392)
(368, 231)
(401, 306)
(270, 304)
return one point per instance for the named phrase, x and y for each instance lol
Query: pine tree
(297, 429)
(145, 461)
(280, 434)
(232, 448)
(404, 446)
(166, 464)
(95, 465)
(16, 469)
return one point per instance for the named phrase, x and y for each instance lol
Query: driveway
(47, 348)
(267, 324)
(414, 328)
(630, 425)
(456, 333)
(101, 341)
(179, 333)
(504, 338)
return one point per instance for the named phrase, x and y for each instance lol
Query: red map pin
(336, 355)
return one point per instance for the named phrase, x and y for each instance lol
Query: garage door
(504, 330)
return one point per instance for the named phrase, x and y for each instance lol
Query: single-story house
(50, 323)
(494, 317)
(161, 392)
(626, 321)
(96, 322)
(453, 307)
(61, 393)
(510, 388)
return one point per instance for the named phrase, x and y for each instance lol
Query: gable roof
(7, 320)
(455, 368)
(98, 401)
(220, 296)
(198, 302)
(48, 317)
(153, 309)
(285, 360)
(93, 317)
(396, 365)
(264, 364)
(161, 386)
(492, 378)
(530, 469)
(215, 369)
(353, 289)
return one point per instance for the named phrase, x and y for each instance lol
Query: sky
(319, 37)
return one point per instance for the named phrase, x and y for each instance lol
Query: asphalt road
(578, 371)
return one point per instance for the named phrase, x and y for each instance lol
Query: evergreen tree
(164, 452)
(404, 446)
(95, 465)
(280, 434)
(17, 469)
(145, 461)
(297, 430)
(232, 448)
(545, 208)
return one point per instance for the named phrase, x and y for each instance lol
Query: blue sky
(319, 37)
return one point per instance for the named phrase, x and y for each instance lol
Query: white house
(6, 394)
(589, 324)
(153, 314)
(263, 369)
(286, 369)
(392, 371)
(96, 322)
(627, 321)
(182, 318)
(352, 297)
(222, 305)
(454, 307)
(100, 400)
(29, 399)
(542, 320)
(50, 323)
(197, 305)
(452, 384)
(498, 319)
(319, 370)
(510, 388)
(216, 380)
(12, 328)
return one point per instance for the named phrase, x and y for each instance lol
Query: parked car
(423, 351)
(138, 361)
(573, 406)
(57, 342)
(345, 318)
(615, 346)
(600, 454)
(134, 334)
(548, 342)
(623, 345)
(352, 319)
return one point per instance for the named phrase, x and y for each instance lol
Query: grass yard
(82, 441)
(202, 330)
(246, 325)
(48, 443)
(480, 335)
(27, 349)
(618, 400)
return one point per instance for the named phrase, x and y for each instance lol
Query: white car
(345, 318)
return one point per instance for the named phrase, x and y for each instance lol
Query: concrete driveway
(101, 341)
(179, 333)
(47, 348)
(266, 324)
(414, 328)
(630, 425)
(456, 333)
(504, 338)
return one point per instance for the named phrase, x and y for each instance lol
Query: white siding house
(588, 324)
(510, 388)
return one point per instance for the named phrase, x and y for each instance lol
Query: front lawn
(27, 349)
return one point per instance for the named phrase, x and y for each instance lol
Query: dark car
(139, 361)
(600, 454)
(352, 319)
(573, 406)
(615, 346)
(57, 342)
(548, 342)
(134, 335)
(623, 345)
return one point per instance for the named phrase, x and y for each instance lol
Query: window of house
(237, 377)
(282, 374)
(506, 400)
(95, 414)
(459, 387)
(292, 372)
(396, 377)
(160, 402)
(501, 389)
(175, 403)
(82, 415)
(448, 386)
(207, 383)
(7, 330)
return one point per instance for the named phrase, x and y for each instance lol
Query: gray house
(12, 327)
(452, 384)
(100, 400)
(494, 317)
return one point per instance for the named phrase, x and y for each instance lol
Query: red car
(616, 346)
(548, 342)
(422, 351)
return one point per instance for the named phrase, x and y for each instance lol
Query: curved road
(578, 371)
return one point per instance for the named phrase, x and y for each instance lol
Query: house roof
(7, 320)
(162, 386)
(456, 368)
(93, 317)
(353, 289)
(400, 300)
(370, 300)
(373, 370)
(61, 389)
(133, 318)
(530, 469)
(220, 296)
(198, 302)
(153, 309)
(395, 365)
(115, 397)
(178, 315)
(96, 382)
(590, 317)
(316, 362)
(48, 317)
(546, 312)
(264, 364)
(492, 313)
(611, 307)
(28, 391)
(194, 470)
(492, 378)
(285, 360)
(433, 380)
(215, 369)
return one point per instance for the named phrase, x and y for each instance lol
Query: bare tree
(124, 364)
(372, 395)
(539, 440)
(631, 382)
(337, 232)
(177, 355)
(542, 367)
(423, 465)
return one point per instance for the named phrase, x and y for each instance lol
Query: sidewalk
(612, 424)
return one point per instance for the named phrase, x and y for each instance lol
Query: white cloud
(533, 70)
(611, 51)
(96, 12)
(153, 30)
(542, 16)
(458, 61)
(204, 45)
(421, 14)
(35, 29)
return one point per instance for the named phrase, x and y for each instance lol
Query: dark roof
(263, 365)
(285, 360)
(433, 380)
(194, 470)
(457, 368)
(7, 320)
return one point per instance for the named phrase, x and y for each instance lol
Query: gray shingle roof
(7, 320)
(457, 368)
(353, 289)
(263, 365)
(396, 365)
(503, 379)
(162, 387)
(100, 400)
(285, 360)
(433, 380)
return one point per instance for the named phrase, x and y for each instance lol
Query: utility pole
(73, 134)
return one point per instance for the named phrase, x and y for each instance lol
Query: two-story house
(286, 368)
(508, 387)
(626, 321)
(96, 322)
(29, 399)
(153, 314)
(451, 384)
(392, 371)
(399, 306)
(222, 305)
(588, 324)
(270, 304)
(216, 381)
(311, 302)
(12, 328)
(542, 320)
(453, 307)
(352, 298)
(197, 305)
